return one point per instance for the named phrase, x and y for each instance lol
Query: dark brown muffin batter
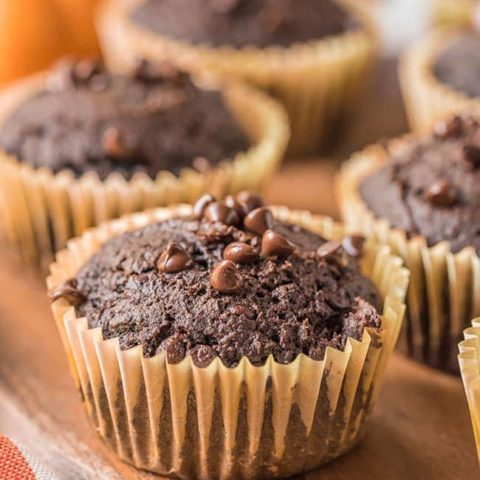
(432, 187)
(88, 119)
(459, 64)
(244, 22)
(226, 284)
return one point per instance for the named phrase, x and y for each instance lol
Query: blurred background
(33, 33)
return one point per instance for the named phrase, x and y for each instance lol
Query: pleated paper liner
(469, 360)
(452, 13)
(245, 422)
(318, 82)
(40, 210)
(444, 292)
(426, 98)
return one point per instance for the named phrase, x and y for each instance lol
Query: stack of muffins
(220, 337)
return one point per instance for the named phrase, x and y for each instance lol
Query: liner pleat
(218, 422)
(444, 292)
(40, 210)
(469, 361)
(427, 99)
(318, 82)
(452, 13)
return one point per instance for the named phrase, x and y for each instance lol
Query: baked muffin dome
(90, 120)
(244, 22)
(458, 64)
(432, 186)
(231, 282)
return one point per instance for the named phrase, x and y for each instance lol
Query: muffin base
(427, 99)
(217, 422)
(444, 287)
(469, 361)
(318, 82)
(40, 210)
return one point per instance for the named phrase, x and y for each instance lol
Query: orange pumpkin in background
(34, 33)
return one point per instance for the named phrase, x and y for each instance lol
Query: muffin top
(227, 282)
(87, 119)
(432, 186)
(458, 65)
(244, 22)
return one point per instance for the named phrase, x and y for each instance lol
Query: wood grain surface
(419, 430)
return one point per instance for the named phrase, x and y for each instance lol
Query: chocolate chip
(239, 252)
(273, 244)
(174, 259)
(259, 220)
(471, 153)
(249, 201)
(221, 212)
(225, 6)
(113, 144)
(68, 291)
(441, 194)
(201, 204)
(449, 128)
(353, 245)
(329, 249)
(201, 164)
(272, 18)
(225, 277)
(61, 76)
(85, 69)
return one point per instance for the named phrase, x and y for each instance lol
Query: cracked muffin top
(432, 186)
(239, 23)
(230, 281)
(87, 119)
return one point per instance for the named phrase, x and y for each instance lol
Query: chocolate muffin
(311, 55)
(458, 64)
(87, 119)
(230, 283)
(244, 22)
(432, 186)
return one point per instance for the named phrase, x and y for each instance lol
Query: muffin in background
(80, 145)
(313, 56)
(469, 361)
(419, 195)
(263, 351)
(452, 13)
(439, 76)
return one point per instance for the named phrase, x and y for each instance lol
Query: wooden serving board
(420, 429)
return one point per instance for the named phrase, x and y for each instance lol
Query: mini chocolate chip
(239, 252)
(225, 6)
(259, 220)
(61, 76)
(113, 143)
(249, 201)
(225, 277)
(221, 212)
(471, 153)
(329, 249)
(274, 244)
(272, 18)
(441, 194)
(201, 164)
(68, 291)
(85, 69)
(232, 202)
(449, 128)
(174, 259)
(353, 245)
(201, 204)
